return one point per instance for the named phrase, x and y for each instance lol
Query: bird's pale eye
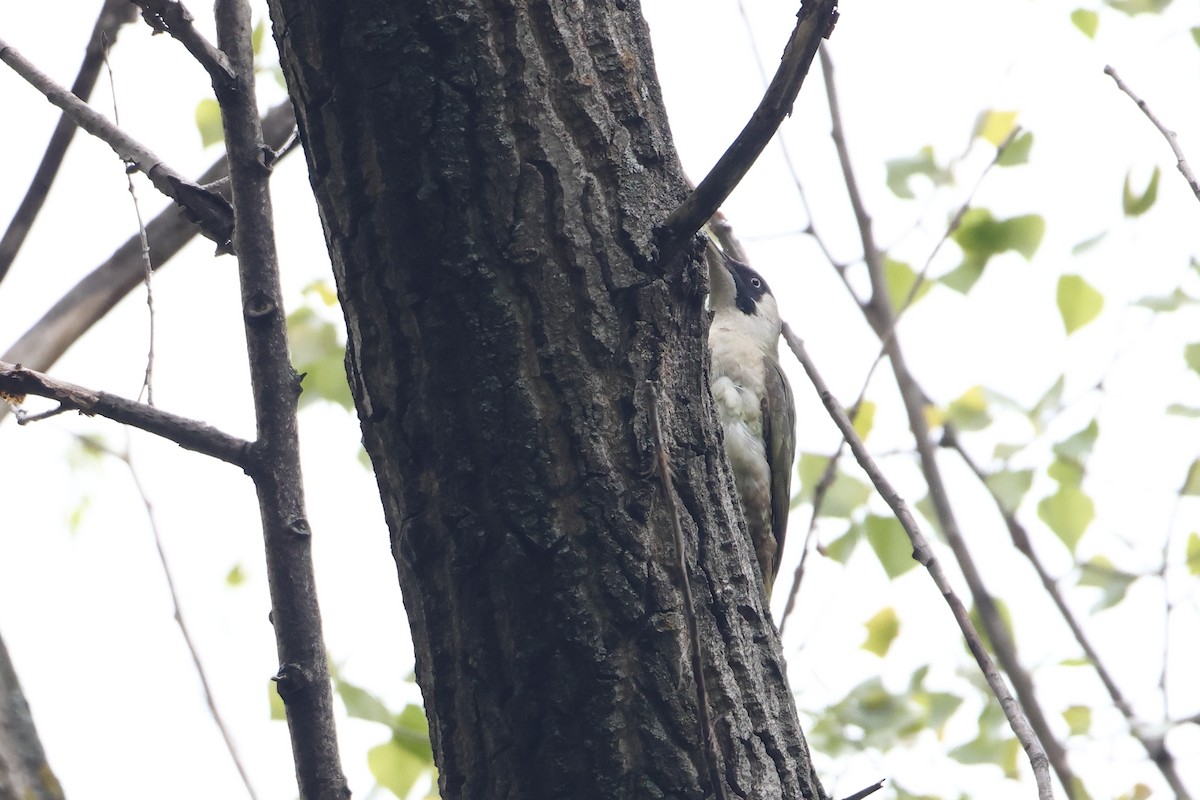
(756, 283)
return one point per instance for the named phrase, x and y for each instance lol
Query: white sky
(85, 614)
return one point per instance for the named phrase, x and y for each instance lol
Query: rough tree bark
(24, 772)
(489, 176)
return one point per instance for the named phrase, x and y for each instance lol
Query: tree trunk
(489, 176)
(24, 772)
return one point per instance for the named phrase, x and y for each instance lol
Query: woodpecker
(754, 401)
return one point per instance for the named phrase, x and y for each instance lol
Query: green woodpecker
(754, 401)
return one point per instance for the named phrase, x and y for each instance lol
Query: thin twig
(1180, 160)
(870, 790)
(1153, 745)
(170, 16)
(148, 378)
(814, 22)
(878, 313)
(113, 15)
(16, 382)
(696, 647)
(126, 458)
(810, 229)
(827, 477)
(303, 678)
(208, 209)
(101, 289)
(924, 555)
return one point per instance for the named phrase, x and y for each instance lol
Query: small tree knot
(291, 680)
(259, 306)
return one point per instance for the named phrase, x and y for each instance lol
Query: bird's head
(739, 291)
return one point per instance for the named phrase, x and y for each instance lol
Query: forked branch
(207, 209)
(16, 381)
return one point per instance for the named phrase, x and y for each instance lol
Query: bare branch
(861, 793)
(170, 16)
(923, 553)
(113, 15)
(207, 209)
(814, 22)
(96, 294)
(1153, 745)
(16, 381)
(210, 700)
(696, 647)
(303, 677)
(1180, 160)
(878, 313)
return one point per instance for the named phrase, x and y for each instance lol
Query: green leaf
(981, 236)
(322, 290)
(890, 543)
(1066, 472)
(256, 36)
(1180, 410)
(1193, 553)
(1006, 450)
(319, 355)
(980, 232)
(1191, 354)
(236, 576)
(1140, 791)
(969, 411)
(882, 630)
(275, 702)
(844, 496)
(87, 451)
(1018, 150)
(963, 277)
(995, 126)
(864, 420)
(1075, 662)
(1134, 7)
(411, 731)
(75, 515)
(1171, 302)
(990, 746)
(361, 704)
(1196, 36)
(1048, 405)
(1191, 485)
(208, 121)
(1005, 620)
(929, 512)
(900, 280)
(900, 172)
(1078, 446)
(1079, 720)
(1113, 584)
(1078, 302)
(1088, 22)
(1088, 244)
(395, 768)
(1067, 512)
(841, 548)
(1135, 205)
(1010, 487)
(877, 718)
